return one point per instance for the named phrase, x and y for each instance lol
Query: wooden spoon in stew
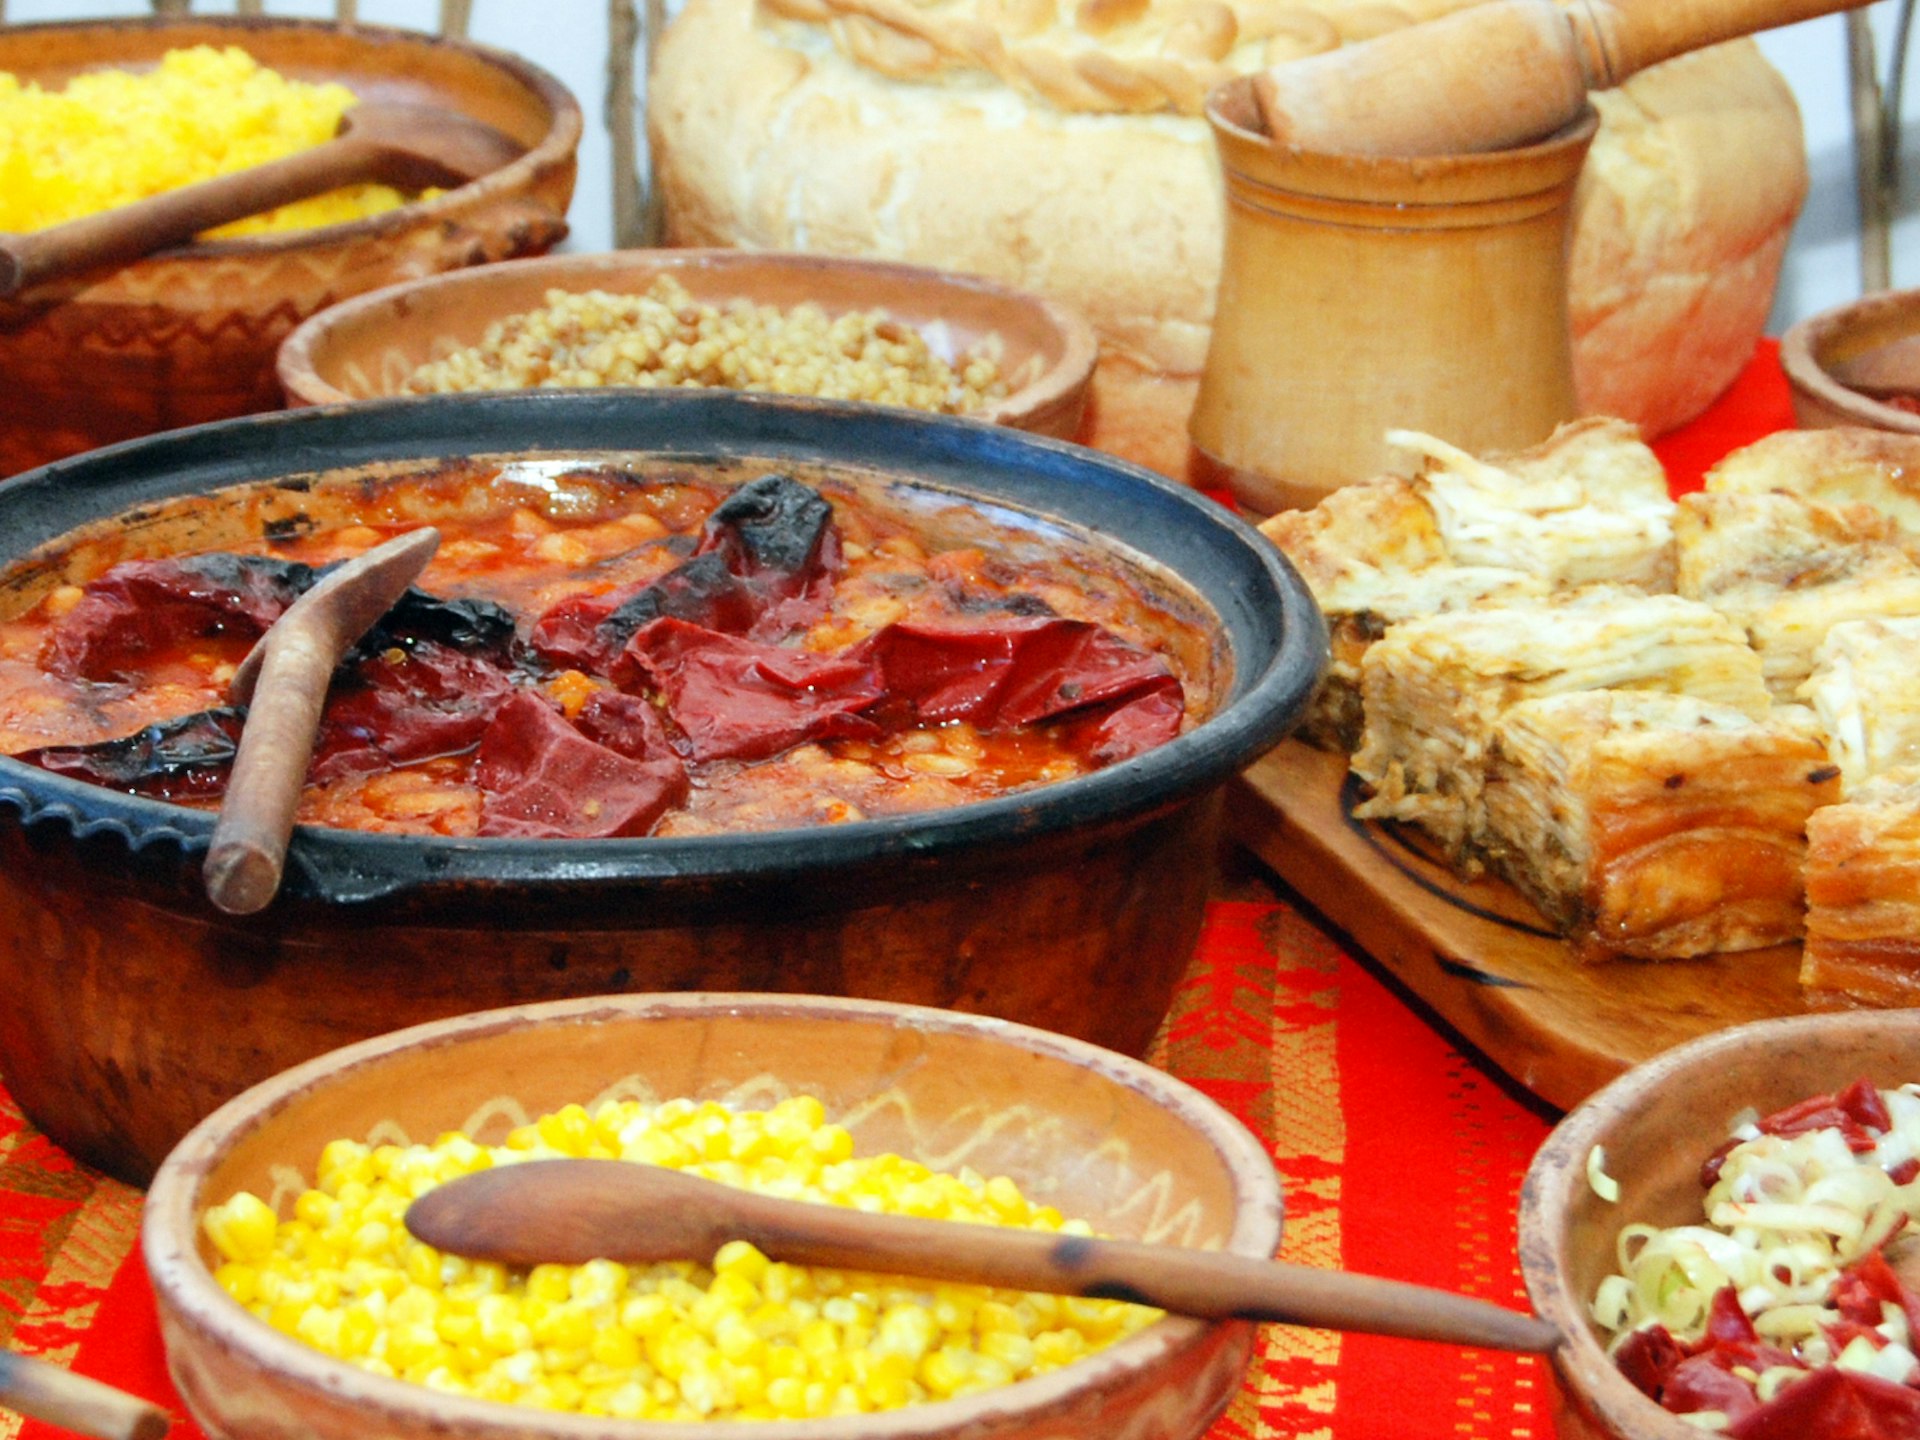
(283, 683)
(410, 146)
(573, 1211)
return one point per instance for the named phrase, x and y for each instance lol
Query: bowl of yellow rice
(293, 1302)
(97, 114)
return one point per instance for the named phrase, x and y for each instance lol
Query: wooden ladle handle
(410, 146)
(283, 682)
(174, 217)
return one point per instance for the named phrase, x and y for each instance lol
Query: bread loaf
(1061, 147)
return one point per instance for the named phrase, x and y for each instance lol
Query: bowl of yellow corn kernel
(777, 322)
(294, 1303)
(95, 114)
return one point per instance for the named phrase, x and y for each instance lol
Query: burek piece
(1434, 690)
(1652, 825)
(283, 682)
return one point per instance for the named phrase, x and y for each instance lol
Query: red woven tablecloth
(1401, 1157)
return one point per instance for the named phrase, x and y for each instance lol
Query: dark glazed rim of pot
(1273, 630)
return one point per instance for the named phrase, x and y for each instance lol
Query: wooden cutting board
(1479, 954)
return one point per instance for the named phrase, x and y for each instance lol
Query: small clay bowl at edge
(1842, 362)
(1655, 1125)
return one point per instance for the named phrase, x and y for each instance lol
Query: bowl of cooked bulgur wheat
(294, 1303)
(784, 323)
(94, 114)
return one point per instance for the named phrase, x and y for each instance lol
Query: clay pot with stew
(137, 1007)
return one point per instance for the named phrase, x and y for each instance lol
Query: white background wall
(568, 37)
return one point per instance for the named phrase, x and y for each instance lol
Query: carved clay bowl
(369, 345)
(189, 335)
(135, 1007)
(1845, 365)
(1657, 1123)
(1131, 1150)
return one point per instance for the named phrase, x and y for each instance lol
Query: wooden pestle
(1497, 75)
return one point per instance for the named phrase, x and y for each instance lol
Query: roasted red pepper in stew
(596, 655)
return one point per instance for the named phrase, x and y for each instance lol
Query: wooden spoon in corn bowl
(573, 1211)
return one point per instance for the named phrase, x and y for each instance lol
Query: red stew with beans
(598, 653)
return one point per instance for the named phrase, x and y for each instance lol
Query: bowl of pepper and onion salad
(293, 1303)
(1724, 1235)
(95, 113)
(701, 691)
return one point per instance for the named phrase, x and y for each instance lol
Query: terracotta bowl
(1843, 364)
(1136, 1153)
(369, 345)
(1073, 906)
(189, 334)
(1657, 1123)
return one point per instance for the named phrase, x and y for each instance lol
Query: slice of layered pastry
(1787, 570)
(1842, 466)
(1865, 688)
(1863, 896)
(1863, 854)
(1433, 689)
(1372, 555)
(1653, 825)
(1588, 505)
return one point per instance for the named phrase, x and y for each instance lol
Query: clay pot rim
(180, 1276)
(1595, 1386)
(1061, 384)
(1260, 603)
(1804, 346)
(556, 147)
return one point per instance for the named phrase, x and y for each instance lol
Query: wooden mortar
(1362, 293)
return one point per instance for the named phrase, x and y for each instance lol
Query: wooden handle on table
(174, 217)
(1497, 75)
(73, 1402)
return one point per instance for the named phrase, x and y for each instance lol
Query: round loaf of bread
(1061, 147)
